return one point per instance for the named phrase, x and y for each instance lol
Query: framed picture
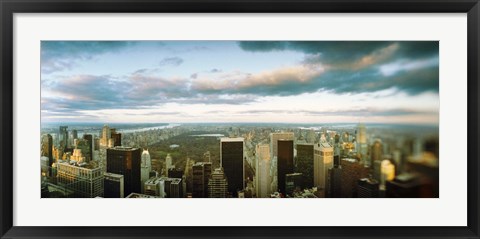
(239, 119)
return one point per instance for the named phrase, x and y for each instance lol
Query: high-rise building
(173, 187)
(232, 162)
(377, 151)
(304, 163)
(352, 171)
(126, 161)
(284, 162)
(387, 173)
(106, 137)
(45, 166)
(335, 181)
(116, 138)
(323, 160)
(218, 184)
(63, 136)
(361, 144)
(145, 167)
(47, 150)
(262, 170)
(85, 180)
(201, 174)
(175, 172)
(293, 182)
(274, 137)
(367, 188)
(91, 143)
(168, 163)
(74, 136)
(113, 185)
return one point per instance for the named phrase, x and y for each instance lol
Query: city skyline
(241, 82)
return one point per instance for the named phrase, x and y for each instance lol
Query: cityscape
(249, 119)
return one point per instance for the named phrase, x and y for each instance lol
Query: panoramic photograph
(239, 119)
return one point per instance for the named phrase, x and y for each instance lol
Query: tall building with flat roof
(115, 137)
(63, 137)
(85, 180)
(262, 170)
(47, 151)
(113, 186)
(304, 163)
(274, 137)
(126, 161)
(284, 162)
(218, 184)
(201, 174)
(232, 162)
(367, 188)
(323, 160)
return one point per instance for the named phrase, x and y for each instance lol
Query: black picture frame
(9, 7)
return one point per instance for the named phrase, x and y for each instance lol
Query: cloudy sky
(228, 81)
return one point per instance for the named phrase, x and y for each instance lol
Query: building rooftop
(124, 148)
(139, 195)
(113, 175)
(236, 139)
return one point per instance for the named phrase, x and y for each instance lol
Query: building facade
(126, 161)
(232, 162)
(85, 182)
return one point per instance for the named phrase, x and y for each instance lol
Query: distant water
(169, 126)
(95, 128)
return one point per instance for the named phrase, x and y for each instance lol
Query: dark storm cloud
(355, 67)
(341, 51)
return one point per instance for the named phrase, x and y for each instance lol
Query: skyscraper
(126, 161)
(362, 146)
(335, 179)
(304, 163)
(145, 167)
(274, 137)
(168, 164)
(90, 142)
(352, 171)
(113, 186)
(367, 188)
(231, 160)
(201, 174)
(284, 162)
(47, 150)
(115, 137)
(387, 173)
(218, 184)
(63, 137)
(262, 170)
(74, 137)
(106, 137)
(323, 160)
(377, 151)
